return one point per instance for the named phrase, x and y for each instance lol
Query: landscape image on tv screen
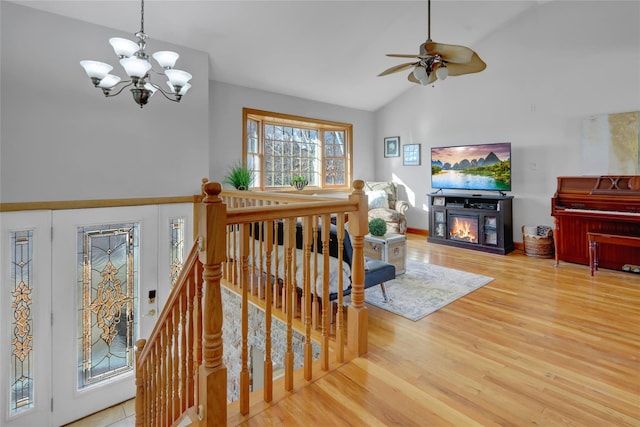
(472, 167)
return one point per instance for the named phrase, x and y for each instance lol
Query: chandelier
(135, 62)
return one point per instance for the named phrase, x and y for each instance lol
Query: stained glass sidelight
(108, 288)
(22, 339)
(176, 248)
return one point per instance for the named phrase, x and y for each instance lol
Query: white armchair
(384, 203)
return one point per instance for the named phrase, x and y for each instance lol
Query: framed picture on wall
(411, 155)
(392, 146)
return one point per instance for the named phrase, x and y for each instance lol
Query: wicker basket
(538, 241)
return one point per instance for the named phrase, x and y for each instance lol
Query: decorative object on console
(436, 61)
(299, 182)
(393, 213)
(240, 177)
(392, 146)
(135, 62)
(377, 227)
(411, 155)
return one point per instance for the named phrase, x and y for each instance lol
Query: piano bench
(612, 239)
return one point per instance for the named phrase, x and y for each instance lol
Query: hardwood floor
(539, 345)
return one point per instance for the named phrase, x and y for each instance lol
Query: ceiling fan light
(442, 72)
(420, 73)
(96, 69)
(124, 48)
(166, 59)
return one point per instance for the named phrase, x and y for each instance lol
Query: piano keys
(601, 204)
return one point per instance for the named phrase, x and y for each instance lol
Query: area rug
(423, 289)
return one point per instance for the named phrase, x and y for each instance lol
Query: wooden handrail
(179, 368)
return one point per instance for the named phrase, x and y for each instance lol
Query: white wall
(546, 71)
(61, 139)
(227, 102)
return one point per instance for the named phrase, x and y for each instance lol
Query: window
(278, 147)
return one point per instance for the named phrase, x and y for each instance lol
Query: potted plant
(299, 182)
(377, 227)
(239, 176)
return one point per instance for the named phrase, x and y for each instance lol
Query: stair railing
(179, 370)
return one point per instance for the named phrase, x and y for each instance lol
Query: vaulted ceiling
(327, 51)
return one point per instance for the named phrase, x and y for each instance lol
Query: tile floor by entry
(121, 415)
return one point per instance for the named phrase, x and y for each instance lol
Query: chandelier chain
(142, 16)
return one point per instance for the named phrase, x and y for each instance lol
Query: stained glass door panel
(107, 314)
(25, 301)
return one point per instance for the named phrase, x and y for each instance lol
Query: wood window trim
(307, 122)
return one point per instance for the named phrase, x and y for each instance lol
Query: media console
(472, 221)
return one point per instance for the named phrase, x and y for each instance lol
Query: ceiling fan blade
(475, 65)
(403, 55)
(397, 68)
(450, 52)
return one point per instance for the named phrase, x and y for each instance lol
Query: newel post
(211, 244)
(357, 318)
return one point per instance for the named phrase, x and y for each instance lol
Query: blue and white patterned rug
(423, 289)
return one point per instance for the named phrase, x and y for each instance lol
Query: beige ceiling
(327, 51)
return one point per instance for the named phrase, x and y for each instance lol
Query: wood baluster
(169, 368)
(357, 319)
(257, 265)
(326, 305)
(316, 303)
(306, 294)
(197, 338)
(244, 282)
(175, 375)
(289, 245)
(213, 373)
(340, 312)
(184, 401)
(162, 382)
(268, 363)
(140, 389)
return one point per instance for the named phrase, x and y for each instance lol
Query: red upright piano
(605, 204)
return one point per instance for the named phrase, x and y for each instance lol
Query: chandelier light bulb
(178, 77)
(96, 69)
(109, 81)
(124, 48)
(135, 67)
(166, 58)
(183, 90)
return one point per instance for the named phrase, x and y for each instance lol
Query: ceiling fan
(437, 60)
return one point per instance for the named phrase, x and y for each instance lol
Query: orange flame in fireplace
(464, 229)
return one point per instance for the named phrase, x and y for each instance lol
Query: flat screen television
(472, 167)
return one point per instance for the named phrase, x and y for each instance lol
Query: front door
(75, 299)
(97, 278)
